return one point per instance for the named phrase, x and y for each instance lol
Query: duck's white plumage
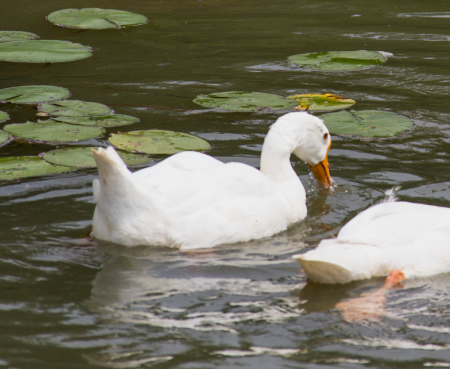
(191, 200)
(411, 238)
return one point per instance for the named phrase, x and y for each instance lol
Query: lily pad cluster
(33, 94)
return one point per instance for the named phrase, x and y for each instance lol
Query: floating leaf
(244, 101)
(106, 121)
(95, 18)
(339, 60)
(322, 102)
(158, 142)
(27, 166)
(33, 94)
(43, 51)
(7, 36)
(3, 116)
(5, 138)
(81, 157)
(367, 123)
(49, 131)
(75, 108)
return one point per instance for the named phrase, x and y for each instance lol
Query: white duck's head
(304, 135)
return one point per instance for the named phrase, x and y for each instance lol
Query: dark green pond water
(68, 301)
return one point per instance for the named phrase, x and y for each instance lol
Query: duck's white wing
(414, 238)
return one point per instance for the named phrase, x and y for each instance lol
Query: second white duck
(191, 200)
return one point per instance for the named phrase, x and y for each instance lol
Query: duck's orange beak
(322, 172)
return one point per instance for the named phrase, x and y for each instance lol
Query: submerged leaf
(339, 60)
(95, 18)
(322, 102)
(244, 101)
(8, 36)
(105, 121)
(3, 116)
(367, 123)
(27, 166)
(75, 108)
(49, 131)
(158, 142)
(43, 51)
(81, 157)
(33, 94)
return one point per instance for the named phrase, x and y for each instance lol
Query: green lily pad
(3, 116)
(8, 36)
(27, 166)
(95, 18)
(43, 51)
(244, 101)
(367, 123)
(321, 102)
(49, 131)
(158, 142)
(81, 157)
(339, 60)
(5, 138)
(106, 121)
(75, 108)
(33, 94)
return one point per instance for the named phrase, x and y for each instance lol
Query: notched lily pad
(245, 101)
(322, 102)
(49, 131)
(95, 18)
(75, 108)
(8, 36)
(12, 168)
(106, 121)
(340, 60)
(81, 157)
(5, 138)
(158, 142)
(43, 51)
(3, 116)
(33, 94)
(367, 123)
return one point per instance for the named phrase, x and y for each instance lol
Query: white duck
(402, 239)
(191, 200)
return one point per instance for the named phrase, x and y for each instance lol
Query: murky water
(70, 302)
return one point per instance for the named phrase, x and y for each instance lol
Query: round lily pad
(75, 108)
(33, 94)
(27, 166)
(339, 60)
(5, 138)
(322, 102)
(81, 157)
(49, 131)
(8, 36)
(43, 51)
(158, 142)
(106, 121)
(367, 123)
(245, 101)
(95, 18)
(3, 116)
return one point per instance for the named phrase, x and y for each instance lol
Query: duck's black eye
(325, 136)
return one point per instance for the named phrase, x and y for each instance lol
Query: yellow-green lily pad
(105, 121)
(81, 157)
(8, 36)
(33, 94)
(367, 123)
(244, 101)
(3, 116)
(12, 168)
(5, 138)
(75, 108)
(158, 142)
(49, 131)
(95, 18)
(322, 102)
(43, 51)
(339, 60)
